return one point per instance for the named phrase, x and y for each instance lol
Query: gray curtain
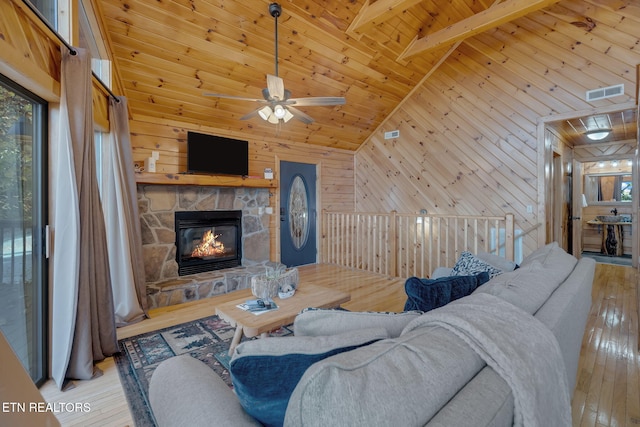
(83, 315)
(124, 238)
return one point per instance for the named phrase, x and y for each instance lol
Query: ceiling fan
(278, 104)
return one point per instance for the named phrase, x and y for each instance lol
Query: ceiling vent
(605, 92)
(392, 134)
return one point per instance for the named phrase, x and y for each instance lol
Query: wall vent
(605, 92)
(392, 134)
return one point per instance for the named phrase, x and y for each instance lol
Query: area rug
(205, 339)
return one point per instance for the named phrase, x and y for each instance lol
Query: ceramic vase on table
(274, 281)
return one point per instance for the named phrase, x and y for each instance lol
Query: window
(23, 175)
(101, 67)
(626, 184)
(90, 40)
(48, 9)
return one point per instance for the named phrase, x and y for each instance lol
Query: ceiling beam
(369, 13)
(478, 23)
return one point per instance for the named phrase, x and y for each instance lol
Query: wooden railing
(404, 245)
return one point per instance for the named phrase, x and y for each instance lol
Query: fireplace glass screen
(207, 241)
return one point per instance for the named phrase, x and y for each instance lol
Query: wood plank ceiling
(168, 53)
(618, 126)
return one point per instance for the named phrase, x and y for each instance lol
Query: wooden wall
(30, 54)
(335, 174)
(468, 139)
(31, 57)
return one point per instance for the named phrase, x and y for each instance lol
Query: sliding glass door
(23, 177)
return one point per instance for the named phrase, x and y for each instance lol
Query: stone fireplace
(158, 205)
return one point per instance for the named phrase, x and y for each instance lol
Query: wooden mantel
(208, 180)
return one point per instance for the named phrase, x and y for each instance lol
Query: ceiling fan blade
(318, 101)
(239, 98)
(303, 117)
(251, 114)
(275, 85)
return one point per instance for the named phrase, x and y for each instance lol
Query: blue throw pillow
(266, 371)
(427, 294)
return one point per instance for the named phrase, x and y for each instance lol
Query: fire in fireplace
(208, 240)
(209, 246)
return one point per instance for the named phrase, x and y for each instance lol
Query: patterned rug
(205, 339)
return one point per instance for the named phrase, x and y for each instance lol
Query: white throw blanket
(522, 350)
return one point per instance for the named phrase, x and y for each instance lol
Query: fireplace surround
(208, 240)
(158, 204)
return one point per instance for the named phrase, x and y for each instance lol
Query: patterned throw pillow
(469, 265)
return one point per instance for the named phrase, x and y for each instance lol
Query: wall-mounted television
(216, 155)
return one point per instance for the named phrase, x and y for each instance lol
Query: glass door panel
(22, 219)
(298, 212)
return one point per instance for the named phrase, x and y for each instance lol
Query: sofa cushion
(441, 272)
(399, 381)
(185, 391)
(540, 254)
(470, 265)
(496, 261)
(528, 287)
(265, 371)
(317, 321)
(427, 294)
(539, 275)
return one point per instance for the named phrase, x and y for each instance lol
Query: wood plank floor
(607, 393)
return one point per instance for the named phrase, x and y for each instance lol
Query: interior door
(298, 236)
(576, 209)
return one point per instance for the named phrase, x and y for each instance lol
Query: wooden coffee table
(251, 325)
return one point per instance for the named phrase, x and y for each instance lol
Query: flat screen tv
(216, 155)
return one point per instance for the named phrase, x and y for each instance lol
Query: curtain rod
(72, 50)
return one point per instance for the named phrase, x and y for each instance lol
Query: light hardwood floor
(607, 393)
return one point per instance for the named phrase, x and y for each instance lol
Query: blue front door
(297, 213)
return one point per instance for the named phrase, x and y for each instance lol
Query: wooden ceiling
(168, 53)
(618, 126)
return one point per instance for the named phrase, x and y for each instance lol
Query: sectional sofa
(507, 354)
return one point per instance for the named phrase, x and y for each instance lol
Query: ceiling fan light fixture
(287, 115)
(598, 134)
(279, 111)
(265, 112)
(273, 119)
(280, 104)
